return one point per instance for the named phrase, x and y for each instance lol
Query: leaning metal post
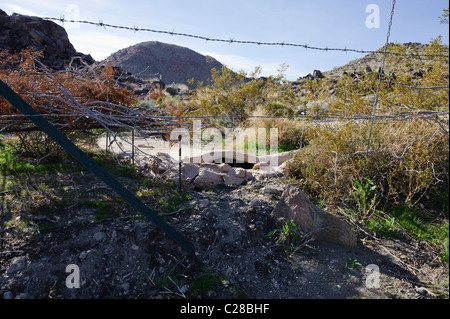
(90, 164)
(179, 164)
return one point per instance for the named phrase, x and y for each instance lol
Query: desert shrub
(235, 96)
(407, 160)
(75, 94)
(59, 92)
(41, 147)
(292, 133)
(409, 152)
(157, 95)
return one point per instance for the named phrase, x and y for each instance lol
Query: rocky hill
(18, 32)
(176, 64)
(372, 62)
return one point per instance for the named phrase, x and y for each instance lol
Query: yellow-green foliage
(406, 159)
(234, 95)
(408, 152)
(409, 145)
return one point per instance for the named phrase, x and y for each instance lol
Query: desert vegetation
(384, 168)
(369, 165)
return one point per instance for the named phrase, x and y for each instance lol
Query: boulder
(211, 166)
(234, 177)
(272, 190)
(188, 173)
(312, 221)
(240, 172)
(224, 168)
(16, 265)
(208, 178)
(172, 91)
(274, 160)
(19, 32)
(260, 165)
(317, 74)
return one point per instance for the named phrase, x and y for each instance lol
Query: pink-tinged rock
(311, 220)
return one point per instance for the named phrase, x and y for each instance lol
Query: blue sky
(319, 23)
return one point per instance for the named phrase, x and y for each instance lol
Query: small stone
(83, 255)
(424, 291)
(134, 247)
(204, 203)
(8, 295)
(99, 236)
(273, 190)
(184, 289)
(268, 173)
(126, 287)
(240, 172)
(275, 284)
(231, 179)
(224, 168)
(17, 264)
(260, 165)
(256, 203)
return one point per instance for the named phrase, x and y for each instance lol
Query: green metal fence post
(90, 164)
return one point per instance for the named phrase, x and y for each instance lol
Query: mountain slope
(176, 64)
(373, 61)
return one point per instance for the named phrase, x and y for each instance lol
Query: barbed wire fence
(235, 41)
(380, 78)
(129, 119)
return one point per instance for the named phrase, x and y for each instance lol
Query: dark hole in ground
(235, 163)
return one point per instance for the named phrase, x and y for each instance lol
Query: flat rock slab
(208, 178)
(295, 205)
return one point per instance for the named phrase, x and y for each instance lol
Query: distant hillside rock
(18, 32)
(176, 64)
(372, 62)
(417, 66)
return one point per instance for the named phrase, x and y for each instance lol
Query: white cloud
(234, 62)
(18, 9)
(99, 44)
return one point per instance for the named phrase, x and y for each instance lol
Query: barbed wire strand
(234, 41)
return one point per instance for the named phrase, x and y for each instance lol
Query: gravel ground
(126, 257)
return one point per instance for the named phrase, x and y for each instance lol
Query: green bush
(236, 95)
(409, 152)
(407, 161)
